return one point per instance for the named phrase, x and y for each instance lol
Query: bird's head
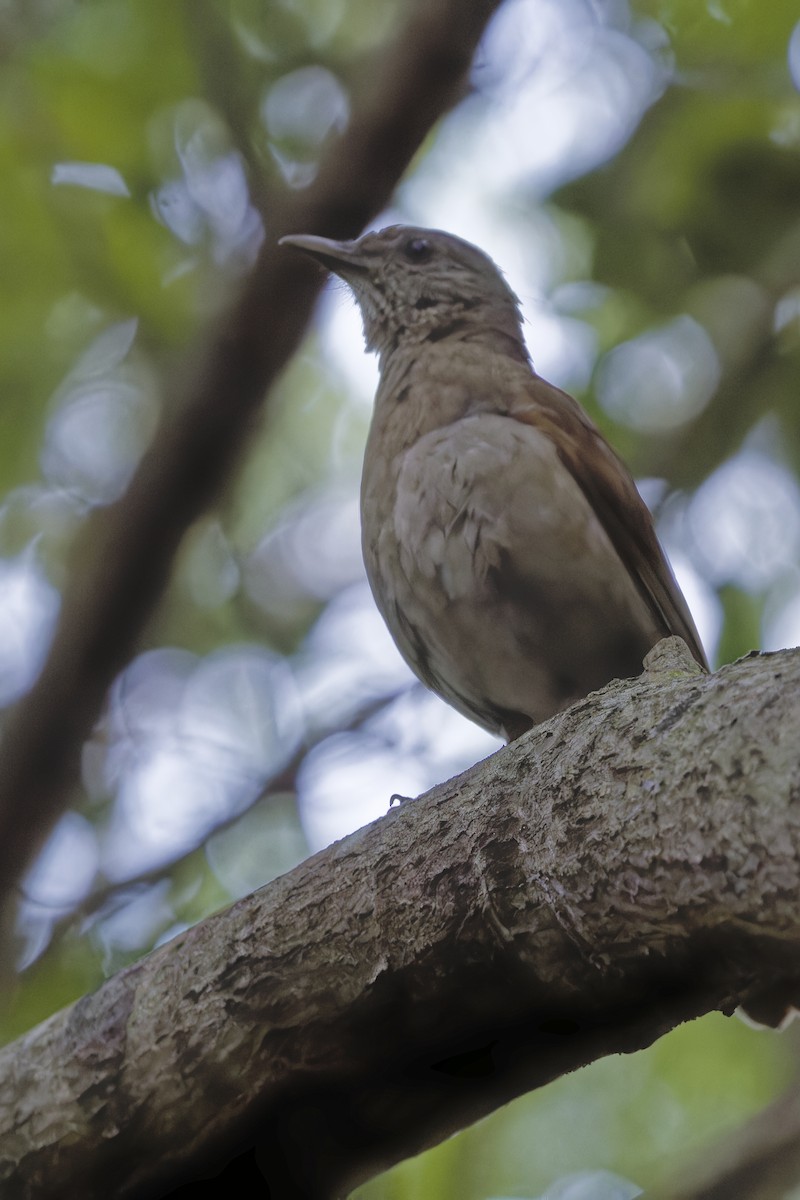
(416, 285)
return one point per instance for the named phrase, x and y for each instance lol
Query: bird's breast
(495, 576)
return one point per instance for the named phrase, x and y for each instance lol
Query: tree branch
(128, 548)
(628, 865)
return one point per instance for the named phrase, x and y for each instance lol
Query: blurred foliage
(635, 169)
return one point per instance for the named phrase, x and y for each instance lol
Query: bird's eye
(418, 249)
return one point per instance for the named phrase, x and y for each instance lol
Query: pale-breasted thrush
(505, 542)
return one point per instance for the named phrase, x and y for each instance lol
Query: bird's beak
(343, 258)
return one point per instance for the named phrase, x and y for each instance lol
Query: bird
(505, 542)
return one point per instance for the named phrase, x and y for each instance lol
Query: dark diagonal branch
(128, 549)
(624, 867)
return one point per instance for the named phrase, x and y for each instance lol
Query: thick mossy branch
(626, 866)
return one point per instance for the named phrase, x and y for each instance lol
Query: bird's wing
(609, 487)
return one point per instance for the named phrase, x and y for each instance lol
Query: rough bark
(128, 548)
(626, 866)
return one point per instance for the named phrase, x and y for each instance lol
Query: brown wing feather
(609, 487)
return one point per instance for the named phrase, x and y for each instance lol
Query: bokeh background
(635, 170)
